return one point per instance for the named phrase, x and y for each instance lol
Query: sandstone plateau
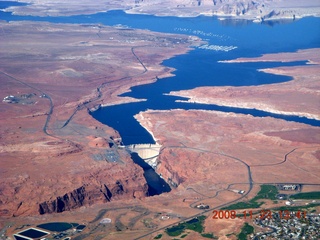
(54, 155)
(245, 9)
(209, 154)
(215, 146)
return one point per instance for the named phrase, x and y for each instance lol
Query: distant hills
(258, 10)
(248, 9)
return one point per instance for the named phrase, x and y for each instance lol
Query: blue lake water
(199, 67)
(251, 38)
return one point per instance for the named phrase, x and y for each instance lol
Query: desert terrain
(54, 155)
(259, 10)
(58, 164)
(218, 153)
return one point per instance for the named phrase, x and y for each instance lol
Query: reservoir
(200, 67)
(229, 39)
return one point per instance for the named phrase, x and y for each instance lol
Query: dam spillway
(148, 152)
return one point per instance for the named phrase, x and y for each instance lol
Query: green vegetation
(208, 235)
(184, 235)
(195, 224)
(243, 205)
(266, 192)
(245, 231)
(175, 230)
(307, 195)
(158, 236)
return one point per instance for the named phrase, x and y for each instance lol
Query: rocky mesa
(259, 10)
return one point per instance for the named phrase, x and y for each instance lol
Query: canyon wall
(86, 195)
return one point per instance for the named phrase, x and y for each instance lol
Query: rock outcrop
(238, 8)
(66, 202)
(85, 195)
(246, 9)
(170, 175)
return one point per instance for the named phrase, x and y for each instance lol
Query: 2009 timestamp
(262, 214)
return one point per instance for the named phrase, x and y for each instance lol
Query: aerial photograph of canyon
(149, 119)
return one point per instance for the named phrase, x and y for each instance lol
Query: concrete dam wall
(148, 152)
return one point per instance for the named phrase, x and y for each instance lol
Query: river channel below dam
(145, 155)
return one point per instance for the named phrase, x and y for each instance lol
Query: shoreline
(258, 12)
(269, 110)
(220, 17)
(278, 98)
(140, 119)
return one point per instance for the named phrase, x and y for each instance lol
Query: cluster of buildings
(289, 187)
(22, 98)
(217, 47)
(10, 99)
(295, 227)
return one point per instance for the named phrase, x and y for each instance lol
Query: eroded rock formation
(68, 201)
(247, 9)
(86, 195)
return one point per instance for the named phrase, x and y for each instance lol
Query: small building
(289, 187)
(289, 203)
(282, 196)
(165, 217)
(202, 206)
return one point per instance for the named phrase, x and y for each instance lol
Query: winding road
(44, 95)
(99, 88)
